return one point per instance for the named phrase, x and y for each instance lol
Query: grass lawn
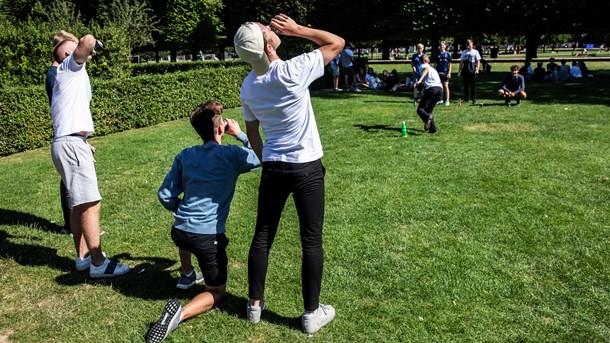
(494, 229)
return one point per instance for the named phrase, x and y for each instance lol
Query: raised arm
(84, 49)
(330, 44)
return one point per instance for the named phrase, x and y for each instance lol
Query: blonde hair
(62, 36)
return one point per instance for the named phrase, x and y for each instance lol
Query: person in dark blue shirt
(513, 86)
(443, 66)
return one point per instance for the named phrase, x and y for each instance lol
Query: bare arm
(330, 44)
(254, 137)
(84, 49)
(423, 76)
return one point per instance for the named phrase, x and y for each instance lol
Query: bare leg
(88, 216)
(204, 301)
(77, 233)
(185, 261)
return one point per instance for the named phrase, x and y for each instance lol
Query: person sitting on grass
(206, 176)
(513, 86)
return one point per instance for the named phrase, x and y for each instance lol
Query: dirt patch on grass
(4, 336)
(500, 127)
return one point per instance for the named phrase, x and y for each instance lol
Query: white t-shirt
(470, 58)
(71, 97)
(432, 78)
(280, 101)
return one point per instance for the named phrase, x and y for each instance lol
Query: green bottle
(404, 129)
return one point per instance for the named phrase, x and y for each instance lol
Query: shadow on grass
(11, 217)
(150, 280)
(236, 306)
(31, 255)
(395, 131)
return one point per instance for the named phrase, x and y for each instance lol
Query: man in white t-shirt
(432, 94)
(275, 97)
(470, 63)
(73, 156)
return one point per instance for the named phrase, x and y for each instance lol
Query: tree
(193, 24)
(136, 19)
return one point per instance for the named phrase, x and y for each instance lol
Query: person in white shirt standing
(470, 63)
(432, 94)
(73, 157)
(275, 97)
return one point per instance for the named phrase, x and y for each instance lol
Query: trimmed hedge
(172, 67)
(118, 105)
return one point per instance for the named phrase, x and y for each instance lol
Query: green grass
(494, 229)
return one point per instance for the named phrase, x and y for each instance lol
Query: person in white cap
(275, 97)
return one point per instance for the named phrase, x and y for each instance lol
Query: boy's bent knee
(218, 292)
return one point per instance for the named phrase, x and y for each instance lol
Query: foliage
(163, 68)
(61, 15)
(117, 105)
(113, 60)
(25, 52)
(194, 24)
(135, 18)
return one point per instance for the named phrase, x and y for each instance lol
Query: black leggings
(306, 183)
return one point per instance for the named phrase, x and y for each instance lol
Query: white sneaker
(447, 103)
(84, 263)
(312, 322)
(108, 269)
(439, 102)
(254, 312)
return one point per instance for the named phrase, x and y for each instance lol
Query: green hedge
(118, 105)
(167, 67)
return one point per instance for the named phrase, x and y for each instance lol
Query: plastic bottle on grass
(404, 129)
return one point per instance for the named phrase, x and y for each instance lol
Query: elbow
(87, 41)
(339, 45)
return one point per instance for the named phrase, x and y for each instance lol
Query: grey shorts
(73, 160)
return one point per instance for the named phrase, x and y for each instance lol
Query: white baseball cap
(250, 46)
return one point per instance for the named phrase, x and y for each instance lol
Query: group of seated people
(555, 72)
(388, 81)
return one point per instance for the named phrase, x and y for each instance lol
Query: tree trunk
(385, 50)
(173, 55)
(157, 56)
(532, 39)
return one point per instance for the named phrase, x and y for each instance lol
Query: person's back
(347, 57)
(208, 174)
(539, 72)
(564, 72)
(205, 175)
(575, 71)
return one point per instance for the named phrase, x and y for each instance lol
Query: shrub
(162, 68)
(117, 105)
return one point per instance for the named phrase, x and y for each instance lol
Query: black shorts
(348, 71)
(443, 77)
(211, 253)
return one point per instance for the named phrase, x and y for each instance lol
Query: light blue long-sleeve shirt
(206, 175)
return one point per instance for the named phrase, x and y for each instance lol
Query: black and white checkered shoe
(170, 318)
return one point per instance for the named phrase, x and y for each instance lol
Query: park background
(494, 229)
